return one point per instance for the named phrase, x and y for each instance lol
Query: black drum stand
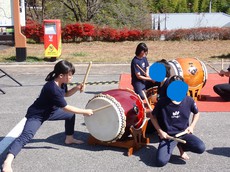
(5, 74)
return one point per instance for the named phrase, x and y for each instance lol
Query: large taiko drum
(114, 122)
(193, 71)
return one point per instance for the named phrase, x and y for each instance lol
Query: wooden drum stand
(132, 144)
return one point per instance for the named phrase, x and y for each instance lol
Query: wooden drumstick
(177, 139)
(147, 101)
(213, 68)
(142, 70)
(222, 64)
(86, 76)
(101, 108)
(181, 133)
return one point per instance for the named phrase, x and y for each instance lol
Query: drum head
(192, 70)
(107, 124)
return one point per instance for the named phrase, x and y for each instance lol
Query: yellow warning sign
(51, 51)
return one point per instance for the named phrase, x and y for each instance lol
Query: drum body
(114, 122)
(151, 95)
(193, 71)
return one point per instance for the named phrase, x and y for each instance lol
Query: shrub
(34, 31)
(88, 32)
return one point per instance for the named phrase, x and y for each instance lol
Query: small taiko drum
(151, 95)
(114, 122)
(193, 71)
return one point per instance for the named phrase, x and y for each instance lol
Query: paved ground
(48, 153)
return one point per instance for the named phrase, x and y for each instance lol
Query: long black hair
(141, 47)
(62, 67)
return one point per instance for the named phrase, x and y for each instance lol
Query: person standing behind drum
(171, 116)
(50, 105)
(140, 79)
(223, 90)
(161, 90)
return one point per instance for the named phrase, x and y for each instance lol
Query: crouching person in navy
(170, 117)
(50, 106)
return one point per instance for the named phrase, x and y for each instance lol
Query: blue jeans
(140, 86)
(33, 124)
(166, 147)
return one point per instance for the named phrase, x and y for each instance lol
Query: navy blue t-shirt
(50, 99)
(173, 118)
(143, 63)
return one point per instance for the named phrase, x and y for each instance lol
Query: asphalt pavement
(47, 151)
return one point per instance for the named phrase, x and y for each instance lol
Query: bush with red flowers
(78, 32)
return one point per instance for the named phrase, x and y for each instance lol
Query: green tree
(152, 6)
(163, 6)
(222, 5)
(204, 7)
(128, 13)
(35, 9)
(182, 6)
(83, 10)
(195, 5)
(172, 5)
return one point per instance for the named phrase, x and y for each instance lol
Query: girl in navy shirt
(171, 117)
(140, 78)
(50, 105)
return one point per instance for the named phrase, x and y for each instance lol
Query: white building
(170, 21)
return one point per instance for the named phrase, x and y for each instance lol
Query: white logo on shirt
(175, 114)
(143, 65)
(195, 105)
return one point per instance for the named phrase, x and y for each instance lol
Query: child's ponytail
(50, 76)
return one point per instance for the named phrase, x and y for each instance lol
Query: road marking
(12, 135)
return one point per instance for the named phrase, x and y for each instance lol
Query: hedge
(79, 32)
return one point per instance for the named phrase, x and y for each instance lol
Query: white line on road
(12, 135)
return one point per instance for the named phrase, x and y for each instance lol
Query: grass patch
(123, 52)
(79, 54)
(28, 59)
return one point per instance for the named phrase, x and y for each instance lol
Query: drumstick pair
(178, 135)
